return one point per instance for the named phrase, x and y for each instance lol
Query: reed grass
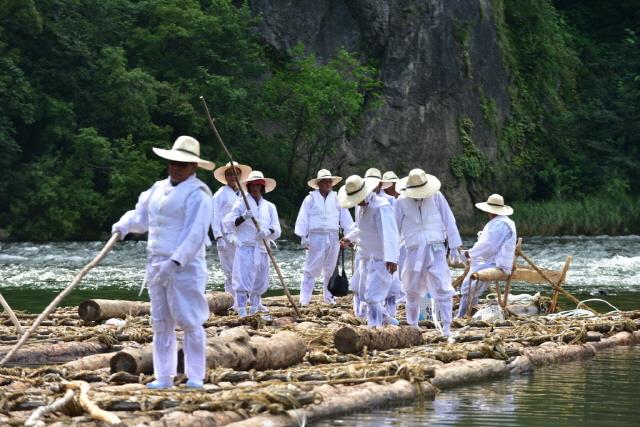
(610, 215)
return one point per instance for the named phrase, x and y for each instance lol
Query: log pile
(276, 371)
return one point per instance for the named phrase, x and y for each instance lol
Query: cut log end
(124, 362)
(347, 340)
(89, 310)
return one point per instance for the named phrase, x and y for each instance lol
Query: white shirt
(223, 202)
(304, 223)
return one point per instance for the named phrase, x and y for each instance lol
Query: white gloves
(117, 229)
(165, 273)
(304, 242)
(455, 257)
(221, 244)
(264, 233)
(247, 215)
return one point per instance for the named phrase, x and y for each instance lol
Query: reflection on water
(598, 392)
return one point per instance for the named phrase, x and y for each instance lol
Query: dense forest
(88, 87)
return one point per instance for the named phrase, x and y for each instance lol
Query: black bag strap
(342, 258)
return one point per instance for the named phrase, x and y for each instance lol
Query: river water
(598, 392)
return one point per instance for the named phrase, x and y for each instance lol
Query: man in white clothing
(495, 247)
(223, 201)
(426, 225)
(378, 246)
(177, 213)
(251, 263)
(319, 221)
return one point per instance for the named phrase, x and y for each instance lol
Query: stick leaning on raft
(244, 198)
(112, 241)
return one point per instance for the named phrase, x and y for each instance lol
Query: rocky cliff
(445, 85)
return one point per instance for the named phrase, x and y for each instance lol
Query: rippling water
(31, 273)
(598, 392)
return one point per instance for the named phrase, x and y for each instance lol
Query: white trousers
(226, 257)
(471, 290)
(250, 277)
(181, 303)
(320, 260)
(370, 290)
(425, 270)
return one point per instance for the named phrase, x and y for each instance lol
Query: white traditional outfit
(318, 225)
(396, 294)
(223, 201)
(378, 244)
(251, 263)
(426, 225)
(495, 248)
(177, 218)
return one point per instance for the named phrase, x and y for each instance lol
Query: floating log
(351, 339)
(336, 400)
(94, 310)
(90, 363)
(56, 353)
(133, 360)
(233, 348)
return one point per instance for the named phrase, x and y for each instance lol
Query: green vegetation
(472, 163)
(88, 88)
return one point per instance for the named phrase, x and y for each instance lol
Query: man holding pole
(495, 247)
(223, 201)
(251, 263)
(176, 212)
(319, 221)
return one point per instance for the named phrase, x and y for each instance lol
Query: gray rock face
(439, 61)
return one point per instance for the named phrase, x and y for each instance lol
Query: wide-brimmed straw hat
(258, 178)
(388, 179)
(374, 175)
(323, 174)
(495, 205)
(419, 184)
(185, 149)
(244, 172)
(354, 190)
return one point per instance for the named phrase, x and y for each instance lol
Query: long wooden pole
(552, 283)
(11, 314)
(244, 198)
(112, 241)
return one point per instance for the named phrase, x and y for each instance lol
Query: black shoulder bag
(339, 284)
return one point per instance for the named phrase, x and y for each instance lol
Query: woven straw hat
(354, 190)
(218, 174)
(419, 184)
(185, 149)
(258, 177)
(495, 205)
(388, 179)
(323, 174)
(374, 175)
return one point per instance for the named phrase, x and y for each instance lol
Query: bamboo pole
(563, 275)
(105, 250)
(553, 285)
(11, 314)
(244, 198)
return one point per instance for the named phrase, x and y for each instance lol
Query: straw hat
(354, 190)
(258, 177)
(323, 174)
(185, 149)
(495, 205)
(219, 173)
(388, 179)
(373, 174)
(419, 184)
